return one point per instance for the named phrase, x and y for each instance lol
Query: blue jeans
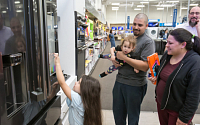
(127, 100)
(112, 43)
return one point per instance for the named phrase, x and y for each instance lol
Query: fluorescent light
(156, 5)
(193, 4)
(16, 2)
(18, 11)
(3, 11)
(167, 5)
(160, 8)
(184, 8)
(115, 7)
(144, 2)
(140, 5)
(115, 3)
(137, 9)
(172, 1)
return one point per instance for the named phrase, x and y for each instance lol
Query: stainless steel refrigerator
(28, 39)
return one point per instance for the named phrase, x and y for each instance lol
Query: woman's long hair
(181, 35)
(90, 91)
(110, 31)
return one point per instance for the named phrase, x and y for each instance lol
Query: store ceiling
(134, 3)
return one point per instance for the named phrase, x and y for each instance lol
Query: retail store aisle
(107, 82)
(146, 118)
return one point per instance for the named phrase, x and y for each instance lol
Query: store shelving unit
(95, 48)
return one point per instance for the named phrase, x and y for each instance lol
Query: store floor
(148, 106)
(146, 118)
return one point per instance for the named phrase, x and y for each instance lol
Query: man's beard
(135, 33)
(192, 24)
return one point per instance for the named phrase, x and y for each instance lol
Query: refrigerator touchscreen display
(52, 67)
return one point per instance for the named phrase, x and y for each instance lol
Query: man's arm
(138, 64)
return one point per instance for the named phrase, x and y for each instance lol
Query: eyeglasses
(192, 13)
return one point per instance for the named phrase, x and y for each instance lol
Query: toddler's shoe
(100, 56)
(102, 75)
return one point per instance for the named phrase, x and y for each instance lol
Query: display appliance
(153, 32)
(80, 46)
(27, 70)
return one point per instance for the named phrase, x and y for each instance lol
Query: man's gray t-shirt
(144, 47)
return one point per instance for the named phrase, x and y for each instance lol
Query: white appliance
(153, 32)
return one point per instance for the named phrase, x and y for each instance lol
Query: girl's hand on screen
(56, 59)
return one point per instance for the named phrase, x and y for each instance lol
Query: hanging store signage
(128, 21)
(174, 18)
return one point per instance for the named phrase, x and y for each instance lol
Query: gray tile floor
(146, 118)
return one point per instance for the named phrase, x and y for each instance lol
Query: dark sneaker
(102, 75)
(100, 56)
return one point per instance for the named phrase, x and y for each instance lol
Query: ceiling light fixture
(137, 9)
(144, 2)
(115, 9)
(115, 3)
(140, 5)
(167, 5)
(184, 8)
(172, 1)
(194, 4)
(3, 11)
(160, 8)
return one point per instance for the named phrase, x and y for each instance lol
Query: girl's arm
(60, 77)
(112, 58)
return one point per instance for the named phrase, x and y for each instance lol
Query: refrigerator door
(13, 60)
(25, 88)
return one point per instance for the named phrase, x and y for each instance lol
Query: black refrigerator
(28, 39)
(80, 46)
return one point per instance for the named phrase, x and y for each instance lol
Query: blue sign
(128, 21)
(174, 18)
(161, 24)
